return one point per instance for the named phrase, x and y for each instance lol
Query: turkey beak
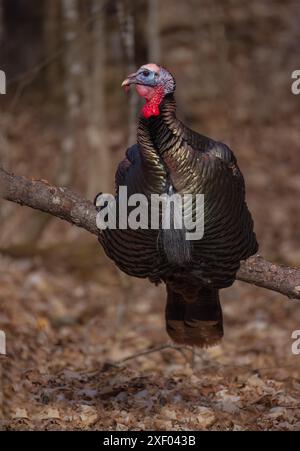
(130, 80)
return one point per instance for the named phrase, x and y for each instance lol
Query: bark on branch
(70, 206)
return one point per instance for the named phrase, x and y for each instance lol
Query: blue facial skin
(147, 77)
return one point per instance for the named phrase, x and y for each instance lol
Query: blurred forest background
(65, 308)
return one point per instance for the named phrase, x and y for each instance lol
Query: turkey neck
(161, 142)
(161, 133)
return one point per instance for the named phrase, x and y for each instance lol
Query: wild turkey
(171, 158)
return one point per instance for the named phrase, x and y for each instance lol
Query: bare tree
(1, 21)
(153, 31)
(127, 30)
(99, 159)
(72, 85)
(53, 37)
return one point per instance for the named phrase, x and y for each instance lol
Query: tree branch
(71, 207)
(57, 201)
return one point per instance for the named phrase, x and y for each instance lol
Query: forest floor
(71, 322)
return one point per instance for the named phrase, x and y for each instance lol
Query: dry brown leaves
(66, 333)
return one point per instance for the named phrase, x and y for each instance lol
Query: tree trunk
(99, 158)
(72, 82)
(127, 31)
(153, 31)
(53, 33)
(1, 21)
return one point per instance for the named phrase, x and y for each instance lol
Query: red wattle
(149, 110)
(151, 107)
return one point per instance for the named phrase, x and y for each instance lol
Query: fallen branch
(205, 364)
(70, 206)
(148, 351)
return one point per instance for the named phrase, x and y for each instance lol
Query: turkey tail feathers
(176, 247)
(197, 322)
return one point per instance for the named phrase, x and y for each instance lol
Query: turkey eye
(146, 73)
